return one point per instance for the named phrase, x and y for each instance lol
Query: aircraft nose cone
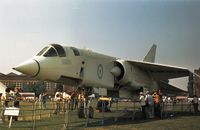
(29, 67)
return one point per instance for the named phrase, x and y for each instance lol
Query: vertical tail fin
(150, 57)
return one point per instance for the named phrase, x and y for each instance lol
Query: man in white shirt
(58, 100)
(143, 104)
(195, 104)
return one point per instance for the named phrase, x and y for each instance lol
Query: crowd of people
(63, 101)
(11, 97)
(67, 101)
(151, 104)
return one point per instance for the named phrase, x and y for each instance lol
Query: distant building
(197, 83)
(14, 79)
(191, 85)
(21, 80)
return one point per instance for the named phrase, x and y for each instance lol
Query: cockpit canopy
(75, 51)
(52, 50)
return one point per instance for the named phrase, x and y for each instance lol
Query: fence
(34, 115)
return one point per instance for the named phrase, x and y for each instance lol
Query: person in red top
(157, 103)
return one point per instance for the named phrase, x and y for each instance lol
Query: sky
(121, 28)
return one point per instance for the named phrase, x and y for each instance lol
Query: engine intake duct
(118, 71)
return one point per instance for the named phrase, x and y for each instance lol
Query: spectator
(5, 100)
(75, 102)
(1, 96)
(156, 104)
(195, 104)
(81, 99)
(17, 98)
(150, 105)
(143, 104)
(67, 101)
(40, 101)
(8, 97)
(72, 101)
(58, 100)
(43, 100)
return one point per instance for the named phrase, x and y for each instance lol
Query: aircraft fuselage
(82, 67)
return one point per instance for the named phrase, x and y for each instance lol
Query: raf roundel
(100, 71)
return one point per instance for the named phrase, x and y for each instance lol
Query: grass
(178, 123)
(45, 120)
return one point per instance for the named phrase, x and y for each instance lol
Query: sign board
(103, 91)
(11, 111)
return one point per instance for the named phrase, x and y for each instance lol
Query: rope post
(66, 125)
(34, 121)
(103, 110)
(181, 106)
(86, 115)
(116, 118)
(87, 112)
(33, 105)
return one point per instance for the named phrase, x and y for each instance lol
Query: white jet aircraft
(87, 69)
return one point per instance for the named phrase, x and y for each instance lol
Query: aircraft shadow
(124, 120)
